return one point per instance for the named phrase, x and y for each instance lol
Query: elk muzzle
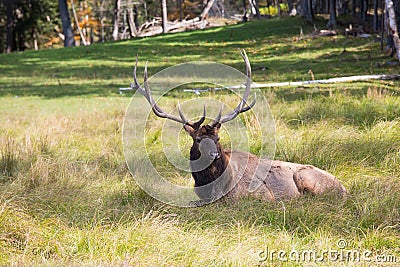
(208, 153)
(215, 155)
(209, 149)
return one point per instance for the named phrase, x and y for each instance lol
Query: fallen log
(331, 80)
(302, 83)
(356, 78)
(154, 27)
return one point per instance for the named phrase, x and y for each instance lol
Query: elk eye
(198, 139)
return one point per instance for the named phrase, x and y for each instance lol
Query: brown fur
(236, 174)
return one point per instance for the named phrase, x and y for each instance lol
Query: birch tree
(206, 9)
(164, 16)
(117, 13)
(393, 26)
(254, 8)
(10, 42)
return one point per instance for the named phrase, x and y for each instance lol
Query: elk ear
(217, 127)
(189, 129)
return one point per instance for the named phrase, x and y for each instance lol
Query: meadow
(67, 197)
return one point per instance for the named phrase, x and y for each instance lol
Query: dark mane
(217, 167)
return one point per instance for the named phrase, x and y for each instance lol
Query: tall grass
(8, 159)
(71, 199)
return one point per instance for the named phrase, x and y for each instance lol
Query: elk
(218, 172)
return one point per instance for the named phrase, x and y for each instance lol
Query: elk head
(207, 158)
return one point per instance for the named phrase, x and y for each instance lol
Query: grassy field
(67, 197)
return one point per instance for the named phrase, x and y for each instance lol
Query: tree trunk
(180, 3)
(254, 8)
(131, 22)
(83, 37)
(244, 18)
(341, 7)
(135, 16)
(279, 8)
(10, 39)
(21, 41)
(393, 26)
(332, 14)
(206, 9)
(117, 13)
(66, 24)
(35, 39)
(382, 23)
(164, 16)
(307, 11)
(326, 7)
(102, 21)
(290, 5)
(364, 10)
(375, 15)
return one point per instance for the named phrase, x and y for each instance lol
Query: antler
(145, 91)
(243, 106)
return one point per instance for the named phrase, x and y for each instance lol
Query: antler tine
(136, 85)
(246, 108)
(182, 115)
(243, 106)
(201, 120)
(218, 118)
(248, 74)
(147, 94)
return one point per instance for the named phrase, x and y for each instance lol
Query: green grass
(67, 197)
